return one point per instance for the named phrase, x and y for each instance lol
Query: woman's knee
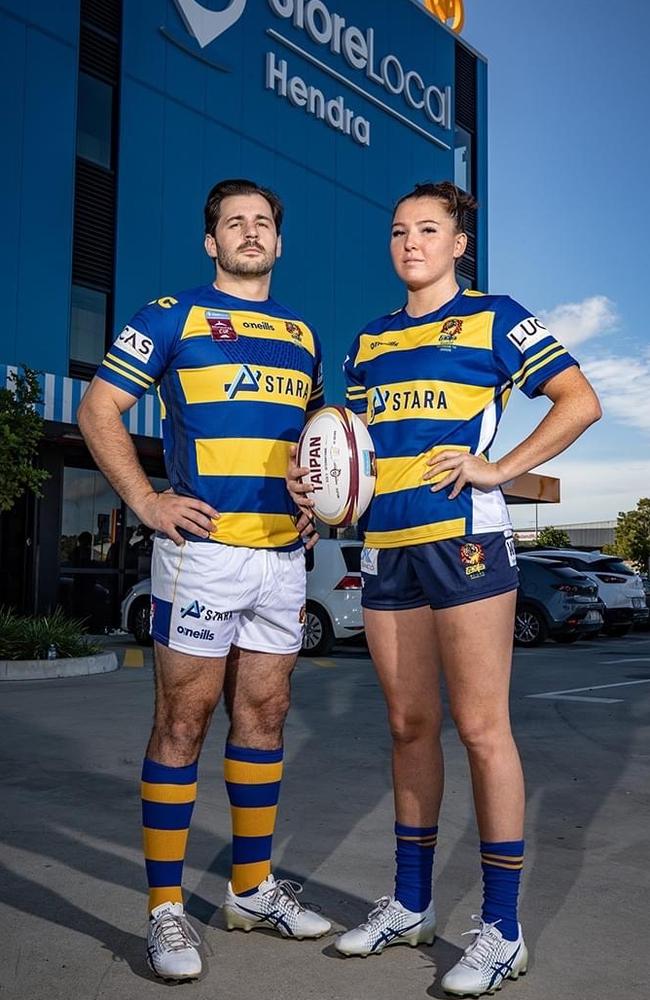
(412, 726)
(483, 734)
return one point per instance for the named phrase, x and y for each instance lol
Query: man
(236, 373)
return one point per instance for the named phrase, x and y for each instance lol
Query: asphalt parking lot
(72, 892)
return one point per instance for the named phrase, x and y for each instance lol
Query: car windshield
(611, 566)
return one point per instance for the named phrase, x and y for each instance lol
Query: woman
(439, 566)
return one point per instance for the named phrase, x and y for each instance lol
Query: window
(94, 120)
(88, 325)
(463, 159)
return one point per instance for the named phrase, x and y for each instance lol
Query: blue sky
(569, 206)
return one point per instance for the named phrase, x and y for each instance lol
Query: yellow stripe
(244, 772)
(354, 390)
(511, 858)
(164, 845)
(245, 383)
(249, 324)
(535, 357)
(425, 841)
(406, 473)
(474, 294)
(171, 794)
(132, 368)
(510, 868)
(163, 408)
(138, 381)
(257, 531)
(245, 877)
(542, 364)
(431, 399)
(414, 536)
(164, 894)
(242, 457)
(475, 331)
(258, 822)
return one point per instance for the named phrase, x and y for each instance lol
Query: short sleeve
(525, 352)
(355, 390)
(317, 397)
(140, 354)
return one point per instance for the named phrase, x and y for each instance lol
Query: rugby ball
(338, 451)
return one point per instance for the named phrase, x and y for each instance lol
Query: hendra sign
(424, 103)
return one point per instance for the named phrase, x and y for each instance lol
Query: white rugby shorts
(206, 597)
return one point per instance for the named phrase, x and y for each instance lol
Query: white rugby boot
(172, 943)
(389, 923)
(488, 961)
(274, 905)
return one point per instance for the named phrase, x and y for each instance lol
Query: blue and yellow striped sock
(168, 796)
(414, 857)
(502, 864)
(253, 780)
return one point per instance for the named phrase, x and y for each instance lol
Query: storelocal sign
(350, 57)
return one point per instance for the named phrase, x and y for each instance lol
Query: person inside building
(236, 372)
(439, 568)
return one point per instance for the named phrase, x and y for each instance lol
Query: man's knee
(265, 717)
(183, 726)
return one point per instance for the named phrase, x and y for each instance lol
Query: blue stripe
(247, 493)
(253, 756)
(410, 508)
(108, 375)
(162, 617)
(162, 774)
(163, 873)
(415, 831)
(166, 815)
(532, 384)
(246, 850)
(412, 436)
(253, 796)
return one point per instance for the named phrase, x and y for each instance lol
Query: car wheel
(140, 615)
(566, 638)
(319, 635)
(530, 627)
(616, 631)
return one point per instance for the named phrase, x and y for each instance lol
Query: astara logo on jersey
(206, 24)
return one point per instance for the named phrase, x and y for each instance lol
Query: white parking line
(630, 659)
(564, 695)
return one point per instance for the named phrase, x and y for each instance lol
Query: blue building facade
(122, 115)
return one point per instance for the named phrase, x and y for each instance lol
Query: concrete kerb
(73, 666)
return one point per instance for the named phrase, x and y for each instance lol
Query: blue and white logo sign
(206, 24)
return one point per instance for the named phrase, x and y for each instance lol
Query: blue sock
(414, 858)
(502, 864)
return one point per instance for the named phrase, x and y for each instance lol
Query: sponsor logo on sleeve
(528, 333)
(132, 342)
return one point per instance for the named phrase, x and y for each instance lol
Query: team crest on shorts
(302, 615)
(220, 324)
(472, 556)
(294, 331)
(451, 330)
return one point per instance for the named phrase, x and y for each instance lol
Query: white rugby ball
(338, 451)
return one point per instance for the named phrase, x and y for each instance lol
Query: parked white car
(619, 588)
(333, 598)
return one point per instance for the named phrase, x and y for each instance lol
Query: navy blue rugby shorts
(440, 574)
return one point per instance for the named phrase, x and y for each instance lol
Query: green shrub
(29, 638)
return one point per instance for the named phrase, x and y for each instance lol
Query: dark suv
(554, 600)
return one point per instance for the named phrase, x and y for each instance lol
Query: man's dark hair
(224, 189)
(456, 201)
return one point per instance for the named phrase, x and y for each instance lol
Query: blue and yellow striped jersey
(235, 379)
(435, 382)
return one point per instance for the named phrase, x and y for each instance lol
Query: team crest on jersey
(472, 556)
(451, 330)
(220, 324)
(246, 380)
(294, 331)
